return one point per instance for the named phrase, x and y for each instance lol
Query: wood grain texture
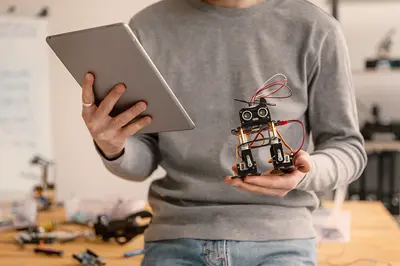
(375, 239)
(375, 236)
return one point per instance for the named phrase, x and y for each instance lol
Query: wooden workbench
(375, 239)
(374, 236)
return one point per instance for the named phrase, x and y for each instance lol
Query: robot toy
(256, 120)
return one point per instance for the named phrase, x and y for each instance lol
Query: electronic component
(49, 252)
(255, 116)
(89, 258)
(36, 237)
(283, 163)
(384, 58)
(122, 231)
(256, 120)
(249, 165)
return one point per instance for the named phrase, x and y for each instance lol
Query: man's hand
(110, 133)
(274, 185)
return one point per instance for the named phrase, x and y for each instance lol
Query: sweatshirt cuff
(103, 156)
(310, 176)
(114, 161)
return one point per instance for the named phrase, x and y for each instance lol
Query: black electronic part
(122, 231)
(49, 252)
(247, 115)
(283, 163)
(263, 112)
(44, 12)
(254, 116)
(248, 166)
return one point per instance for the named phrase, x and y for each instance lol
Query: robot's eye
(262, 112)
(247, 115)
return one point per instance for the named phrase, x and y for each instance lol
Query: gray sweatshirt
(210, 55)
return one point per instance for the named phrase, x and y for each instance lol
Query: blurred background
(56, 134)
(47, 156)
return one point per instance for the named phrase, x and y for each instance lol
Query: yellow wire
(237, 155)
(283, 140)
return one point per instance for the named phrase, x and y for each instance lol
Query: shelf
(375, 72)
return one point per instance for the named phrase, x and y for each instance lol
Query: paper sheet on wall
(24, 103)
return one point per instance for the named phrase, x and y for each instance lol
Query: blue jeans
(192, 252)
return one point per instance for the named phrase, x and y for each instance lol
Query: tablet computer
(114, 55)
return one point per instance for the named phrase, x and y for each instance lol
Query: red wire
(304, 133)
(258, 134)
(265, 87)
(272, 93)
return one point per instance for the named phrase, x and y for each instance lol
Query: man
(211, 52)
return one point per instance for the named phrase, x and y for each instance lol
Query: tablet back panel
(114, 55)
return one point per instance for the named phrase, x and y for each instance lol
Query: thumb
(303, 159)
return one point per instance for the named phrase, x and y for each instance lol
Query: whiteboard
(25, 128)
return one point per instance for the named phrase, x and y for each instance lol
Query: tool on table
(89, 258)
(122, 231)
(27, 237)
(49, 252)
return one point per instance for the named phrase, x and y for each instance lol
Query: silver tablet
(114, 55)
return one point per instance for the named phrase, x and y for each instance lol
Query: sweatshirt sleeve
(139, 160)
(339, 157)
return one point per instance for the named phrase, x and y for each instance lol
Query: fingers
(285, 182)
(88, 96)
(238, 183)
(136, 126)
(124, 118)
(304, 159)
(110, 100)
(87, 89)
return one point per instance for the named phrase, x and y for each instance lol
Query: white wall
(78, 165)
(79, 168)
